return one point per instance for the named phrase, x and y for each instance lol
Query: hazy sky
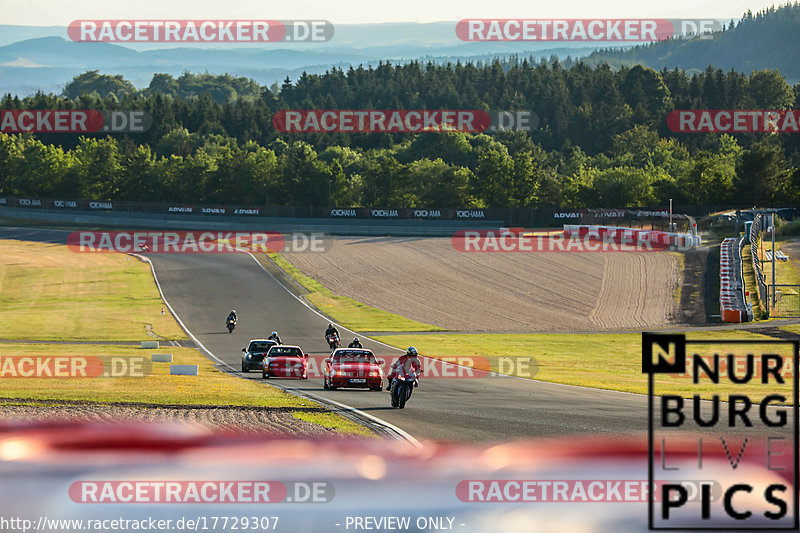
(60, 12)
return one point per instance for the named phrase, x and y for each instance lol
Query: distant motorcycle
(402, 386)
(231, 325)
(333, 341)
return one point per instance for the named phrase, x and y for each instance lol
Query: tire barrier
(732, 303)
(679, 241)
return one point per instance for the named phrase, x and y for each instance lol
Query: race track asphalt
(203, 288)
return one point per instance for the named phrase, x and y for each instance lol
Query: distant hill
(769, 39)
(42, 58)
(48, 63)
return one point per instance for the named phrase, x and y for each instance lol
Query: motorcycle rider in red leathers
(406, 364)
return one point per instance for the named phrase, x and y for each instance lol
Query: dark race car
(254, 354)
(352, 368)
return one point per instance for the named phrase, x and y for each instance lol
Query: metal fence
(787, 301)
(755, 237)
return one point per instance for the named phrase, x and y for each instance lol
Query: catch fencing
(787, 301)
(755, 238)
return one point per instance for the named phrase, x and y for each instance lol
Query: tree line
(601, 141)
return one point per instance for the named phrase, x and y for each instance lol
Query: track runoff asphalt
(203, 288)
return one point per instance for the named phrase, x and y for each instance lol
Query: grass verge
(51, 293)
(210, 387)
(348, 312)
(333, 421)
(605, 361)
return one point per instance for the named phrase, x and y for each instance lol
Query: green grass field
(346, 311)
(51, 293)
(211, 387)
(603, 360)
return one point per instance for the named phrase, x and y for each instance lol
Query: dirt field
(426, 280)
(275, 421)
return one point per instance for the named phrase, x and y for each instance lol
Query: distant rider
(232, 316)
(406, 363)
(331, 331)
(355, 344)
(275, 337)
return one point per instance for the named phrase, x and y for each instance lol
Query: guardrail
(511, 216)
(732, 303)
(755, 235)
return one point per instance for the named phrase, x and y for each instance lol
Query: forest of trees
(601, 141)
(769, 37)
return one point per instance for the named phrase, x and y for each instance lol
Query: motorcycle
(333, 341)
(402, 386)
(231, 325)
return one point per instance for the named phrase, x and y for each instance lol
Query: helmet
(233, 311)
(355, 339)
(275, 333)
(412, 351)
(330, 325)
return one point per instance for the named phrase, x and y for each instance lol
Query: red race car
(352, 368)
(286, 362)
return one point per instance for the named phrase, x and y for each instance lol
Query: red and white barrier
(676, 240)
(732, 304)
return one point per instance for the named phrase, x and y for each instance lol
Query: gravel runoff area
(273, 421)
(426, 280)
